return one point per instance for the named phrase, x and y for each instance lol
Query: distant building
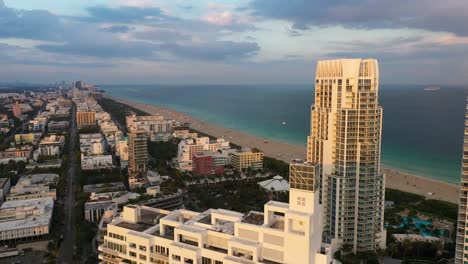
(276, 184)
(157, 127)
(51, 145)
(85, 119)
(121, 148)
(96, 162)
(25, 219)
(34, 186)
(58, 126)
(183, 132)
(5, 123)
(187, 148)
(92, 144)
(247, 159)
(30, 138)
(17, 112)
(137, 153)
(208, 163)
(22, 153)
(38, 124)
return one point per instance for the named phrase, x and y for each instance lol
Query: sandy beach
(430, 188)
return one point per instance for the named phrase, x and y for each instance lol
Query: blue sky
(244, 41)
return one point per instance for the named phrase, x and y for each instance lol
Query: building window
(301, 201)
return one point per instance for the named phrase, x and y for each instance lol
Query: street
(67, 248)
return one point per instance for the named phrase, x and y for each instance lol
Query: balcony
(159, 256)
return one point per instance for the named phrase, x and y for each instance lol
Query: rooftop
(43, 178)
(34, 212)
(254, 218)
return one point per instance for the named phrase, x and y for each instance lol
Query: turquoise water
(422, 130)
(421, 225)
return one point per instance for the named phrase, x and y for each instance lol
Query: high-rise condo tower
(461, 252)
(345, 141)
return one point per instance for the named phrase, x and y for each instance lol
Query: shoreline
(395, 179)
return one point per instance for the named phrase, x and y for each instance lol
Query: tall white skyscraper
(345, 140)
(461, 252)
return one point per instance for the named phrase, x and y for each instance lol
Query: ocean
(422, 130)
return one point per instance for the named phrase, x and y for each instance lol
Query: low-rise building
(121, 150)
(29, 138)
(5, 123)
(247, 159)
(276, 184)
(99, 203)
(21, 153)
(92, 144)
(187, 148)
(51, 145)
(183, 132)
(157, 127)
(58, 126)
(34, 186)
(25, 219)
(38, 124)
(95, 162)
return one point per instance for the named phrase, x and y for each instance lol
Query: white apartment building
(345, 140)
(282, 233)
(92, 144)
(189, 147)
(95, 162)
(25, 219)
(99, 203)
(51, 145)
(33, 187)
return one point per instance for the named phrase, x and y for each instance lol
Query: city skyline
(248, 41)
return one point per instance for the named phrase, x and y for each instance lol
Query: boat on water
(432, 88)
(284, 123)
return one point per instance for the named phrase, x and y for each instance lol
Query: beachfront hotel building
(461, 251)
(345, 143)
(282, 233)
(244, 159)
(137, 152)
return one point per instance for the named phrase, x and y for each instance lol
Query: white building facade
(345, 140)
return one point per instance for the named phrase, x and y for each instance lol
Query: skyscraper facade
(345, 141)
(461, 252)
(137, 152)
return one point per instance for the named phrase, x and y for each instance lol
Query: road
(66, 249)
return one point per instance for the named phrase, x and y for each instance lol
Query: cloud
(33, 24)
(433, 15)
(214, 51)
(162, 35)
(218, 6)
(117, 29)
(120, 49)
(123, 14)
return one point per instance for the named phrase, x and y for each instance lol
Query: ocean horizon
(422, 130)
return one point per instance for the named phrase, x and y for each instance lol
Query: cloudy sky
(230, 41)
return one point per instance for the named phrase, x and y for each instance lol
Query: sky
(230, 41)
